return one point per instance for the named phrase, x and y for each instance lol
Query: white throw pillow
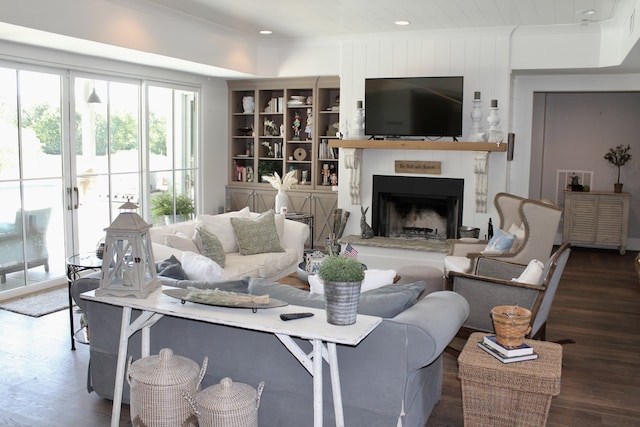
(373, 279)
(220, 225)
(201, 268)
(519, 233)
(532, 273)
(180, 241)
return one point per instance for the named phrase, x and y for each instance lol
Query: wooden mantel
(352, 155)
(417, 145)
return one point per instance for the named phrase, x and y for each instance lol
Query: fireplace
(417, 207)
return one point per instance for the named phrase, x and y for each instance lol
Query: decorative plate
(182, 295)
(300, 154)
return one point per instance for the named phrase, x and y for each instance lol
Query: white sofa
(180, 239)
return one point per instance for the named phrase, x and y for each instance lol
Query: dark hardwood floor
(597, 304)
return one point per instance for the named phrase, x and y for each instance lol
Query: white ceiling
(321, 18)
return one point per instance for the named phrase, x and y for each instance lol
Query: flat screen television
(414, 106)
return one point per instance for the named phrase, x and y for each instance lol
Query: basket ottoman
(508, 394)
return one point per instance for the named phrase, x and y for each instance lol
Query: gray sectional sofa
(392, 378)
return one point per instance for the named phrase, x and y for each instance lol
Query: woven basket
(341, 302)
(157, 383)
(227, 404)
(511, 324)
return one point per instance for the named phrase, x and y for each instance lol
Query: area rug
(39, 304)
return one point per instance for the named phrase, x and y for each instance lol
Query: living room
(527, 70)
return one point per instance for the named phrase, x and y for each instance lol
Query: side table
(305, 218)
(498, 394)
(75, 265)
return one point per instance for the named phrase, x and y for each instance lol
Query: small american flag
(350, 251)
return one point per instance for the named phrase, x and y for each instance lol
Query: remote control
(293, 316)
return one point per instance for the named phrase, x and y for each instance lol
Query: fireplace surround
(417, 207)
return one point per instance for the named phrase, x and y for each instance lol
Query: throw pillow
(210, 246)
(221, 227)
(500, 242)
(373, 279)
(171, 268)
(202, 268)
(257, 236)
(519, 233)
(532, 273)
(180, 241)
(386, 301)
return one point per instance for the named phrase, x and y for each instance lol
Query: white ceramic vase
(282, 202)
(248, 104)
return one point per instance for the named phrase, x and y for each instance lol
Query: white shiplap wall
(483, 60)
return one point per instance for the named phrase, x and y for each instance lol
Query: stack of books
(507, 355)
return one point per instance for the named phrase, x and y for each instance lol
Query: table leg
(317, 383)
(71, 325)
(122, 355)
(335, 384)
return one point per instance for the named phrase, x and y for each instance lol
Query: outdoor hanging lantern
(128, 267)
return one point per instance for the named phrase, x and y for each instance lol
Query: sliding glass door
(73, 149)
(31, 177)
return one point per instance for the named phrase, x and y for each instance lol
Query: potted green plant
(342, 278)
(618, 157)
(162, 206)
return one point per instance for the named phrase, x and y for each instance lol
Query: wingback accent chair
(534, 222)
(491, 285)
(11, 242)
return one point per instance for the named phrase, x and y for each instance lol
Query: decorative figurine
(308, 128)
(325, 174)
(490, 229)
(366, 232)
(334, 179)
(296, 127)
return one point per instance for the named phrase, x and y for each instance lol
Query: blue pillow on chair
(500, 242)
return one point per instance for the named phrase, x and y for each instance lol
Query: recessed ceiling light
(586, 12)
(402, 22)
(266, 32)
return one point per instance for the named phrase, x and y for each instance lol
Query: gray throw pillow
(171, 268)
(210, 246)
(257, 235)
(386, 301)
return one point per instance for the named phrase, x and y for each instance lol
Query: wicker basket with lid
(157, 383)
(227, 404)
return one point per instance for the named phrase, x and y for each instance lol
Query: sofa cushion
(220, 225)
(386, 301)
(209, 245)
(257, 235)
(200, 267)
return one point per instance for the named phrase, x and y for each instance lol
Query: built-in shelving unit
(418, 145)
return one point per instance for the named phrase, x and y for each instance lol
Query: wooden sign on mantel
(415, 166)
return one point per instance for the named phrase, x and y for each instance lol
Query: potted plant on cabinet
(618, 157)
(342, 278)
(162, 206)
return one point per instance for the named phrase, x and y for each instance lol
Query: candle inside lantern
(476, 95)
(494, 103)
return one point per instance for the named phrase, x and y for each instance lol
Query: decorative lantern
(128, 267)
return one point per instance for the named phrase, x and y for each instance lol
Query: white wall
(482, 58)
